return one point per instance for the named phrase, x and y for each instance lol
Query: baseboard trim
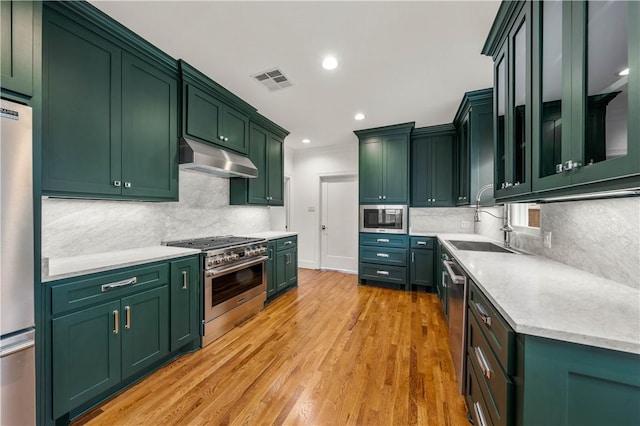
(344, 271)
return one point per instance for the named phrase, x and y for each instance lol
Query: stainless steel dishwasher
(456, 283)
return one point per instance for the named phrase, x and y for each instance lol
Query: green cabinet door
(185, 279)
(292, 267)
(202, 118)
(272, 288)
(371, 170)
(85, 355)
(145, 329)
(236, 130)
(442, 155)
(81, 110)
(463, 153)
(149, 131)
(421, 267)
(275, 170)
(256, 188)
(16, 60)
(282, 264)
(420, 173)
(396, 169)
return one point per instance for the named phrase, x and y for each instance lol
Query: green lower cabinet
(145, 334)
(421, 267)
(382, 260)
(570, 384)
(184, 310)
(286, 268)
(86, 347)
(282, 266)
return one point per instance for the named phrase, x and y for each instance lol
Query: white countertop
(270, 235)
(540, 297)
(66, 267)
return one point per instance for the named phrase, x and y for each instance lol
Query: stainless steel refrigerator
(17, 321)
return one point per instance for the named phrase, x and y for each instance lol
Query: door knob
(324, 227)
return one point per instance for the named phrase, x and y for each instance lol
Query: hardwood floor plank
(327, 353)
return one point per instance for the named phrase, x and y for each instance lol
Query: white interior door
(339, 224)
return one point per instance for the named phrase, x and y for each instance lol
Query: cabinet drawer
(476, 397)
(98, 289)
(286, 243)
(383, 240)
(390, 274)
(499, 388)
(422, 242)
(497, 332)
(383, 255)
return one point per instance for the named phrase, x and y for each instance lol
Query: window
(525, 216)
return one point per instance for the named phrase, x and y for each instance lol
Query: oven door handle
(457, 279)
(218, 272)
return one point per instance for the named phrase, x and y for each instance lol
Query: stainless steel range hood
(205, 158)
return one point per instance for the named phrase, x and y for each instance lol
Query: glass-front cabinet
(567, 97)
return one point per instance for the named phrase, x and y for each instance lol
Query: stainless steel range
(233, 281)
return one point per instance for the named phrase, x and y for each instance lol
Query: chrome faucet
(506, 225)
(476, 215)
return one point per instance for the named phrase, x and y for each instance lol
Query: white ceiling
(398, 61)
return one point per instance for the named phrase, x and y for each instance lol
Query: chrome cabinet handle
(478, 409)
(116, 322)
(384, 197)
(221, 137)
(382, 255)
(422, 243)
(226, 139)
(484, 364)
(379, 197)
(117, 183)
(413, 257)
(382, 240)
(184, 280)
(382, 272)
(270, 254)
(111, 286)
(286, 243)
(486, 318)
(127, 317)
(127, 184)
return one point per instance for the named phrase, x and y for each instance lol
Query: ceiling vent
(273, 79)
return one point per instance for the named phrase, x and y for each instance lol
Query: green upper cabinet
(566, 88)
(266, 151)
(109, 117)
(384, 164)
(208, 119)
(432, 165)
(474, 147)
(17, 38)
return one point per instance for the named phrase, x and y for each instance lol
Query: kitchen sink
(479, 246)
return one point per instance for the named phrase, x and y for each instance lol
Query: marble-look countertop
(540, 297)
(66, 267)
(270, 235)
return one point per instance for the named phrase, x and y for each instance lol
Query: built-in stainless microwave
(386, 219)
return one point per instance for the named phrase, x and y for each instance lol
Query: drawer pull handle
(287, 243)
(185, 280)
(413, 257)
(382, 272)
(479, 414)
(117, 284)
(484, 364)
(127, 317)
(486, 318)
(382, 255)
(116, 322)
(422, 243)
(382, 240)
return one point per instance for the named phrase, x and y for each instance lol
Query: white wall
(309, 166)
(74, 227)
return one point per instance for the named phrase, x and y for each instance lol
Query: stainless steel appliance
(390, 219)
(17, 321)
(456, 283)
(233, 281)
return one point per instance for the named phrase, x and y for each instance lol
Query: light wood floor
(328, 353)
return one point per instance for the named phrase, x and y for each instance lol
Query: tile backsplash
(452, 220)
(74, 227)
(597, 236)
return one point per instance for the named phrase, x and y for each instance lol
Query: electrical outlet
(311, 209)
(465, 224)
(547, 239)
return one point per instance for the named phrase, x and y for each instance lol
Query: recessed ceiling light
(359, 116)
(329, 63)
(306, 141)
(624, 72)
